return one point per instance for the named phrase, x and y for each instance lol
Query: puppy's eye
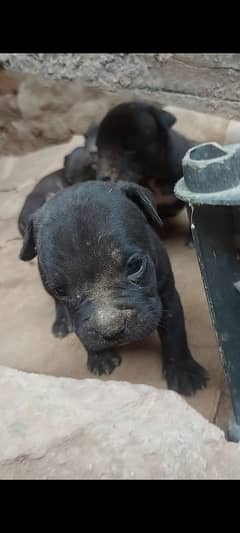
(136, 267)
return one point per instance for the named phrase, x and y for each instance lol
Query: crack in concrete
(207, 67)
(4, 244)
(6, 219)
(59, 444)
(14, 189)
(14, 239)
(203, 98)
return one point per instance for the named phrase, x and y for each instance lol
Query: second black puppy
(102, 261)
(136, 143)
(79, 166)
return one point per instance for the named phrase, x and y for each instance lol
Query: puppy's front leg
(62, 325)
(182, 372)
(103, 362)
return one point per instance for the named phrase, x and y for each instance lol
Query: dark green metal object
(211, 189)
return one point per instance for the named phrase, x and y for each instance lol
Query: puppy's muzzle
(110, 323)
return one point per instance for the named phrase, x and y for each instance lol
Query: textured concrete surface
(37, 112)
(204, 82)
(67, 429)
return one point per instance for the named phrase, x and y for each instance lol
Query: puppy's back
(45, 189)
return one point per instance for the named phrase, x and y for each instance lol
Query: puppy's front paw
(103, 363)
(185, 377)
(61, 327)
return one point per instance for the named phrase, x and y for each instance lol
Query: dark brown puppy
(135, 143)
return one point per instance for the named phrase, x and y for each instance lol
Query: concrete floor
(27, 312)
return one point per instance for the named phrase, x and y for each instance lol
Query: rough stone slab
(205, 82)
(47, 111)
(53, 428)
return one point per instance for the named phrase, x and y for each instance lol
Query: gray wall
(203, 82)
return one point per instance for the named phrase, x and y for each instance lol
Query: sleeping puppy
(42, 192)
(136, 143)
(79, 166)
(102, 261)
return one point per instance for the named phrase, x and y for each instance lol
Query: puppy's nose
(113, 333)
(110, 323)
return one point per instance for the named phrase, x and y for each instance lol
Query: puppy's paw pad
(103, 364)
(186, 378)
(61, 328)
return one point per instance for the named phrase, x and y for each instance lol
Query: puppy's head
(96, 253)
(79, 166)
(132, 142)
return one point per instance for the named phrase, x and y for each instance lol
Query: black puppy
(79, 165)
(101, 260)
(42, 192)
(136, 143)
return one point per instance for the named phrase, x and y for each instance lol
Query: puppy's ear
(163, 118)
(67, 165)
(65, 161)
(143, 199)
(69, 162)
(91, 130)
(28, 250)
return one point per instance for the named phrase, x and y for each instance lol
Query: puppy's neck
(171, 168)
(177, 147)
